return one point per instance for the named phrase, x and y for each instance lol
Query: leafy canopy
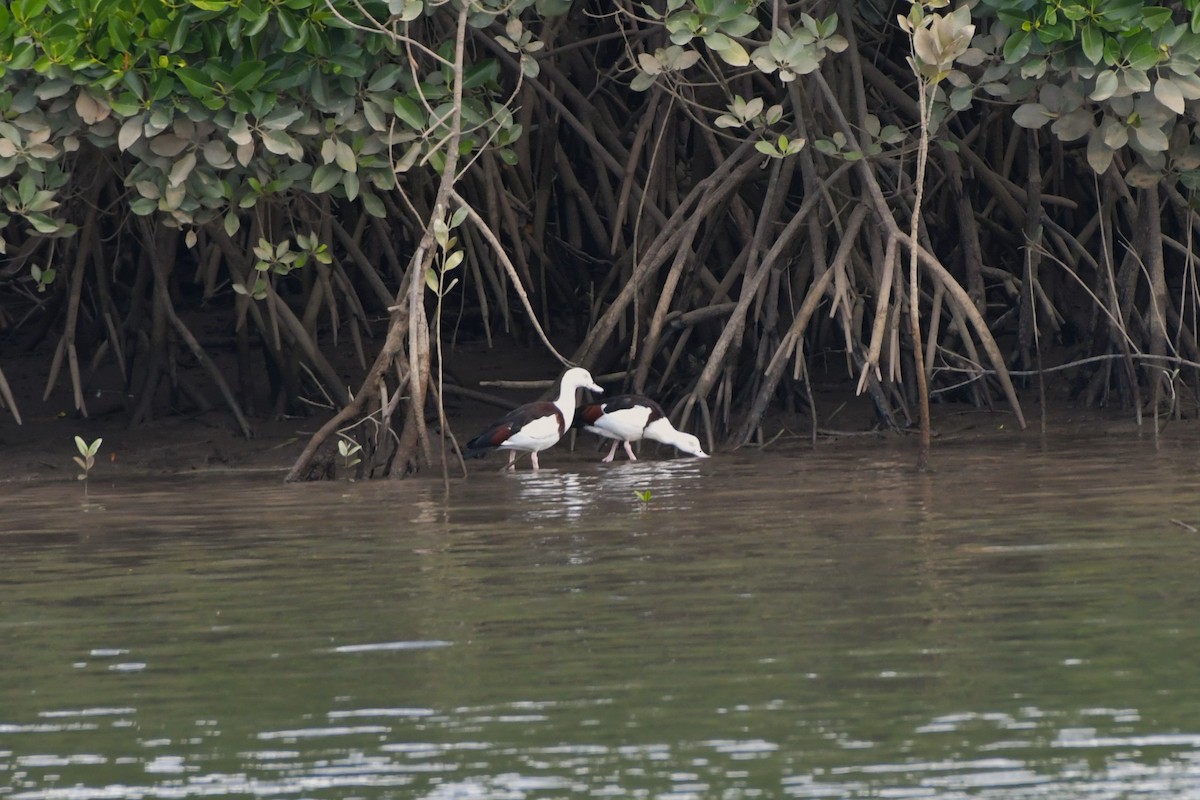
(218, 106)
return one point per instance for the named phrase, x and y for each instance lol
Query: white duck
(631, 418)
(534, 427)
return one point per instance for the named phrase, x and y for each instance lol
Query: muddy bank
(183, 441)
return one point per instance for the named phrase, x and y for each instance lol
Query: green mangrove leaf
(344, 156)
(1017, 46)
(1106, 86)
(641, 82)
(1032, 115)
(409, 112)
(168, 145)
(1168, 93)
(373, 205)
(43, 223)
(1092, 39)
(1073, 125)
(766, 148)
(278, 142)
(1151, 138)
(325, 177)
(1143, 176)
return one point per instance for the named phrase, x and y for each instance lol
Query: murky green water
(1025, 623)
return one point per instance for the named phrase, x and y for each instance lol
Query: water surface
(1021, 623)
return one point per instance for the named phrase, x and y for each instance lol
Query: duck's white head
(578, 378)
(689, 444)
(661, 430)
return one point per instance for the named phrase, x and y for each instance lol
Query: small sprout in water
(87, 455)
(349, 449)
(643, 495)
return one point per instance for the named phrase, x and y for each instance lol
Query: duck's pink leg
(533, 458)
(512, 457)
(612, 452)
(629, 452)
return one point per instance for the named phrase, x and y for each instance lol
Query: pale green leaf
(1189, 85)
(277, 142)
(409, 158)
(1151, 138)
(687, 59)
(1115, 133)
(167, 145)
(131, 131)
(1074, 125)
(1142, 176)
(181, 169)
(960, 99)
(764, 62)
(741, 25)
(1106, 86)
(329, 150)
(1136, 80)
(43, 223)
(973, 57)
(143, 206)
(1032, 115)
(836, 43)
(217, 154)
(325, 177)
(733, 54)
(411, 10)
(649, 64)
(641, 82)
(1189, 159)
(344, 156)
(373, 205)
(1167, 93)
(351, 184)
(826, 146)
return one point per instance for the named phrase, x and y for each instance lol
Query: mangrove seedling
(87, 456)
(643, 495)
(349, 449)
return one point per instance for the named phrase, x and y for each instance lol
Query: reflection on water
(1020, 624)
(558, 494)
